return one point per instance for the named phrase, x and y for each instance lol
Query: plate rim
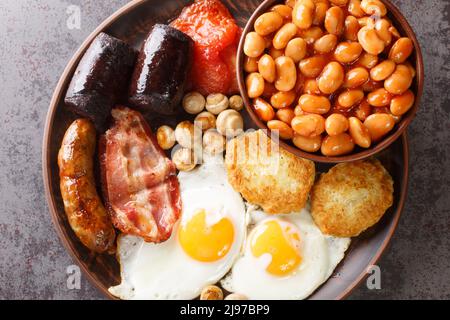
(46, 160)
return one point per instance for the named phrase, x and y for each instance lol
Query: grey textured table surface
(35, 47)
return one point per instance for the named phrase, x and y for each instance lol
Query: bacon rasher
(139, 182)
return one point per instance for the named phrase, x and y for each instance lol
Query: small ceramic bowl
(404, 28)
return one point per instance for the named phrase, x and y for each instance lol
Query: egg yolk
(206, 243)
(281, 243)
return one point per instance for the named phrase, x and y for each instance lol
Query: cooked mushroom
(184, 159)
(216, 103)
(186, 135)
(230, 123)
(213, 142)
(194, 103)
(166, 137)
(236, 296)
(205, 120)
(211, 293)
(236, 103)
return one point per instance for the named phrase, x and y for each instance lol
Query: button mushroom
(187, 135)
(184, 159)
(216, 103)
(165, 137)
(211, 293)
(213, 142)
(205, 120)
(230, 123)
(236, 296)
(236, 103)
(194, 103)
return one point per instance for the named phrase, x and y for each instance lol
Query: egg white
(164, 270)
(320, 256)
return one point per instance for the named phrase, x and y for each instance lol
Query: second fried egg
(285, 257)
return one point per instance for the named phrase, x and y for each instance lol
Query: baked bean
(283, 10)
(282, 128)
(275, 53)
(308, 144)
(314, 104)
(349, 98)
(379, 98)
(299, 112)
(263, 109)
(373, 7)
(311, 67)
(269, 90)
(320, 12)
(351, 28)
(334, 21)
(286, 74)
(326, 43)
(397, 119)
(339, 3)
(267, 23)
(299, 84)
(379, 124)
(254, 45)
(331, 78)
(268, 40)
(339, 145)
(311, 87)
(382, 29)
(411, 69)
(355, 77)
(347, 52)
(250, 64)
(393, 30)
(266, 67)
(255, 85)
(290, 3)
(336, 124)
(296, 49)
(359, 133)
(399, 81)
(368, 60)
(310, 35)
(401, 50)
(370, 41)
(363, 110)
(285, 115)
(308, 125)
(303, 13)
(382, 70)
(284, 35)
(366, 22)
(372, 85)
(282, 99)
(354, 8)
(401, 104)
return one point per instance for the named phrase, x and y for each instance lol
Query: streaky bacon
(139, 182)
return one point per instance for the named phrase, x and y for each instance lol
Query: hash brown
(351, 197)
(267, 175)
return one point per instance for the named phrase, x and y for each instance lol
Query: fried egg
(284, 257)
(202, 248)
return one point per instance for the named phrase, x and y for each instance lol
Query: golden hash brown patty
(351, 197)
(267, 175)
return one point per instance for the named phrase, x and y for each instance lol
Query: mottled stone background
(35, 46)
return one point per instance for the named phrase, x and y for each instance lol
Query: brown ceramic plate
(405, 30)
(131, 23)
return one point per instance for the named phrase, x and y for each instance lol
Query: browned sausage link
(85, 211)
